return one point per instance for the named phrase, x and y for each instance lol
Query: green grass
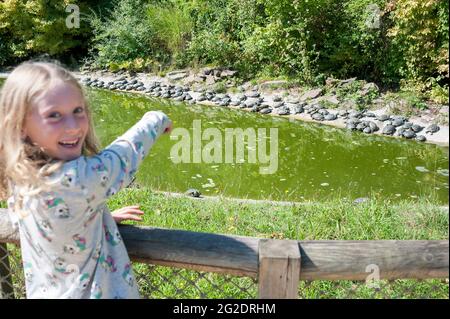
(337, 219)
(334, 220)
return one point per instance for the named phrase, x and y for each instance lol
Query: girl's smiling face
(57, 121)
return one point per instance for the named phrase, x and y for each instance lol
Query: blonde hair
(21, 163)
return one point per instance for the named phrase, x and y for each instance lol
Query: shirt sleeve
(113, 168)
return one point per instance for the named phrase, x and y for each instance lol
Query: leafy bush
(420, 33)
(34, 27)
(392, 42)
(122, 35)
(208, 47)
(171, 24)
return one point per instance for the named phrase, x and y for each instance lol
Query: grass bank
(337, 219)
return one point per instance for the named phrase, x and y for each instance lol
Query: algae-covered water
(314, 161)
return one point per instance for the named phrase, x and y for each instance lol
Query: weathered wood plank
(223, 253)
(341, 259)
(320, 260)
(279, 269)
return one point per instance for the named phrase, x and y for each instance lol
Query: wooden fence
(278, 265)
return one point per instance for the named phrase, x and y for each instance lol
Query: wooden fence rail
(278, 264)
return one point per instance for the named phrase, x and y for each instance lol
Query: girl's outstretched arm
(114, 167)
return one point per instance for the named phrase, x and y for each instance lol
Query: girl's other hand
(127, 213)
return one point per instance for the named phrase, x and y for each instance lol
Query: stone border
(304, 108)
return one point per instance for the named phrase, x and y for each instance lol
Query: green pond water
(315, 162)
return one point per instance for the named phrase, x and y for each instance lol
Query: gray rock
(417, 128)
(369, 114)
(408, 125)
(258, 108)
(433, 128)
(373, 127)
(266, 110)
(371, 87)
(277, 98)
(292, 100)
(311, 109)
(355, 114)
(346, 82)
(277, 104)
(296, 109)
(409, 134)
(343, 113)
(311, 94)
(193, 192)
(421, 138)
(361, 126)
(367, 130)
(383, 117)
(252, 94)
(284, 110)
(400, 131)
(251, 102)
(398, 122)
(330, 117)
(332, 99)
(400, 117)
(228, 73)
(388, 130)
(317, 117)
(177, 75)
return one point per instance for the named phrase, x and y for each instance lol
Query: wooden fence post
(6, 287)
(279, 269)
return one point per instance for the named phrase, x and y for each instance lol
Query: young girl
(56, 184)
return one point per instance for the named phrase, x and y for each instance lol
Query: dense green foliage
(31, 28)
(391, 42)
